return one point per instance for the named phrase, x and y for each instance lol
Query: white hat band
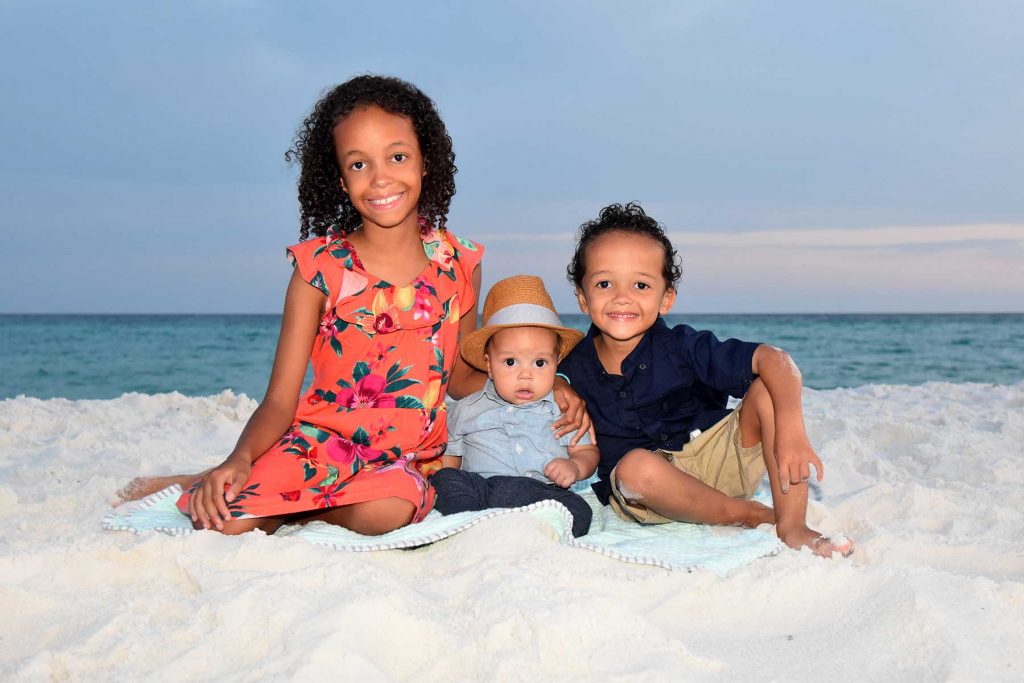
(524, 314)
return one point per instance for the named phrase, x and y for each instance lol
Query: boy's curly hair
(630, 219)
(322, 202)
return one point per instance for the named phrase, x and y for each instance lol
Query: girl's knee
(380, 516)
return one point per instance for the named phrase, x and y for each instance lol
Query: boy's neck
(611, 352)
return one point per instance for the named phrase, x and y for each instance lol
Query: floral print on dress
(373, 422)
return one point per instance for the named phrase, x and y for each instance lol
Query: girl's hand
(574, 413)
(794, 456)
(218, 487)
(562, 472)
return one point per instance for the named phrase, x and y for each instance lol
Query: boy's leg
(459, 491)
(513, 492)
(757, 423)
(647, 481)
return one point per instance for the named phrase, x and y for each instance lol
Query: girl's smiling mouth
(385, 202)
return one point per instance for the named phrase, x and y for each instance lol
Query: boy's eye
(358, 166)
(642, 285)
(603, 284)
(540, 362)
(510, 362)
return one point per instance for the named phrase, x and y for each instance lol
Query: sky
(803, 156)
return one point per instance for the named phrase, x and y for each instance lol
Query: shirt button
(643, 366)
(664, 437)
(623, 394)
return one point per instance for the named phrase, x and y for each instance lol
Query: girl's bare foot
(822, 546)
(140, 487)
(757, 514)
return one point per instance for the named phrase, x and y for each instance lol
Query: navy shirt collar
(638, 360)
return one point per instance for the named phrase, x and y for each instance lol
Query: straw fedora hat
(517, 301)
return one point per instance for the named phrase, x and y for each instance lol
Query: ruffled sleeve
(305, 256)
(466, 255)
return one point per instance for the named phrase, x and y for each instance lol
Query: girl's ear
(667, 300)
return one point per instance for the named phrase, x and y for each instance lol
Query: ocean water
(104, 356)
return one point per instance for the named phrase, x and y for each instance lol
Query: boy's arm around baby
(784, 383)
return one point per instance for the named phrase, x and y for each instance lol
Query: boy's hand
(795, 455)
(574, 413)
(562, 472)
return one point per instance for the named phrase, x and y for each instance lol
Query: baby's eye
(540, 362)
(603, 284)
(358, 166)
(400, 157)
(510, 362)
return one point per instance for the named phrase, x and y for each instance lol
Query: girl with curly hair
(380, 294)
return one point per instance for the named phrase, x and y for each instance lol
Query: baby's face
(522, 361)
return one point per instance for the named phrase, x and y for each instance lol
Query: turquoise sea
(103, 356)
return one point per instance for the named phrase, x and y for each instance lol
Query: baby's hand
(562, 472)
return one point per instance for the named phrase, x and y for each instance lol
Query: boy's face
(624, 290)
(522, 361)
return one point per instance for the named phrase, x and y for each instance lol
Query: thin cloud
(824, 238)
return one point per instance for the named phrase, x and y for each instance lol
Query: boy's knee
(633, 470)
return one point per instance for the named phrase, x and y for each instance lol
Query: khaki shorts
(716, 457)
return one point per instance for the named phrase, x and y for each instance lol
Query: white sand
(929, 480)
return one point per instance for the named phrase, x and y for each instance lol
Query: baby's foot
(140, 487)
(757, 514)
(822, 546)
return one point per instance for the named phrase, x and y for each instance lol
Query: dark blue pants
(459, 491)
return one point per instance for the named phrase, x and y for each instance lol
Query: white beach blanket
(672, 546)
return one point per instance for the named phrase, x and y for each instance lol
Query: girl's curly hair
(629, 219)
(322, 202)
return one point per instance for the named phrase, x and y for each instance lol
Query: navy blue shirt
(675, 381)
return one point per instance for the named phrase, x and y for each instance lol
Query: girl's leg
(372, 518)
(140, 487)
(242, 526)
(646, 478)
(757, 423)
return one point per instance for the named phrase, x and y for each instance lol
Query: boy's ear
(667, 300)
(581, 300)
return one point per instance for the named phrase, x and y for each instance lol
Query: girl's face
(381, 166)
(624, 290)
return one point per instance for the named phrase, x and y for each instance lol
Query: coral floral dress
(373, 423)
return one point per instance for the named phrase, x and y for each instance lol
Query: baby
(502, 434)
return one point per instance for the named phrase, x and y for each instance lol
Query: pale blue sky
(805, 156)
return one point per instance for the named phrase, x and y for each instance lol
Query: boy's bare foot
(758, 514)
(140, 487)
(822, 546)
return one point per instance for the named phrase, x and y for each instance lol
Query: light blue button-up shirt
(495, 437)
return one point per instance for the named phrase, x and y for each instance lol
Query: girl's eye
(358, 166)
(510, 362)
(603, 284)
(540, 362)
(400, 157)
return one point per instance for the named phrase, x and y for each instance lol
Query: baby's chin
(519, 397)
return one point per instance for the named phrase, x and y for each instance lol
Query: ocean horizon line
(184, 314)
